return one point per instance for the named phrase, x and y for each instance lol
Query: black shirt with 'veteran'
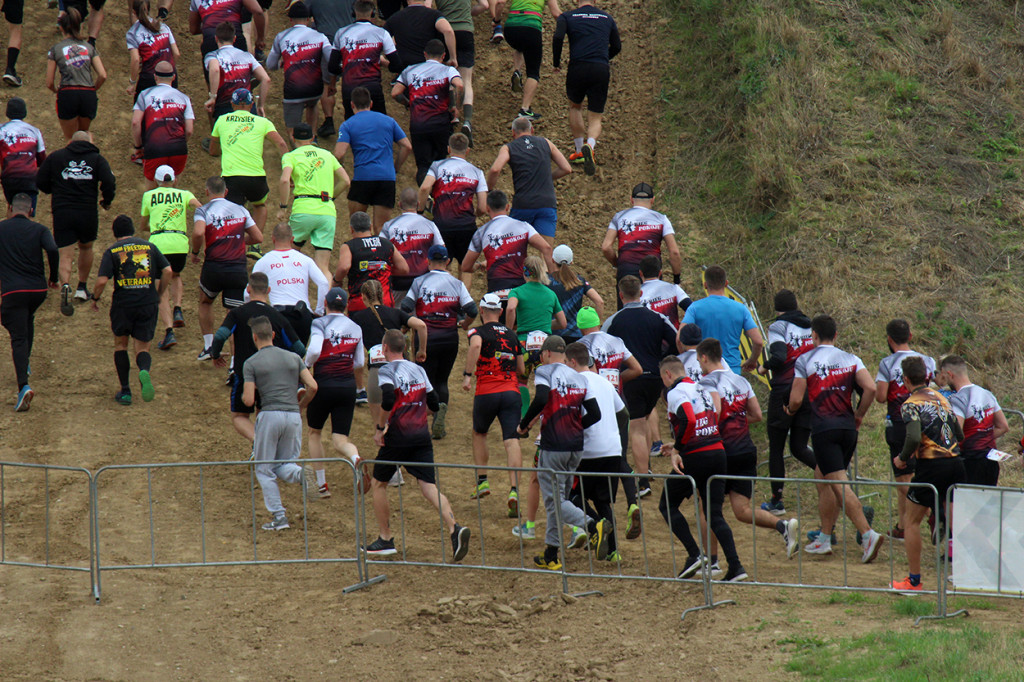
(22, 242)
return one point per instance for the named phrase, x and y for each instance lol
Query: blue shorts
(543, 220)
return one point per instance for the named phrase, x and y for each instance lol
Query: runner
(593, 43)
(789, 337)
(736, 407)
(459, 14)
(567, 406)
(314, 178)
(890, 391)
(164, 216)
(302, 53)
(356, 57)
(697, 452)
(649, 337)
(456, 192)
(76, 60)
(222, 228)
(140, 274)
(367, 257)
(204, 16)
(241, 153)
(277, 442)
(229, 69)
(95, 20)
(533, 311)
(828, 377)
(150, 41)
(503, 241)
(980, 417)
(162, 123)
(335, 351)
(638, 232)
(23, 285)
(426, 88)
(402, 436)
(722, 318)
(523, 33)
(571, 289)
(439, 299)
(76, 176)
(372, 137)
(414, 27)
(530, 157)
(495, 359)
(291, 273)
(687, 340)
(22, 150)
(412, 235)
(236, 327)
(14, 14)
(932, 432)
(658, 295)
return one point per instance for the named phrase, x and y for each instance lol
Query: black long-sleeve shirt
(76, 176)
(22, 243)
(593, 36)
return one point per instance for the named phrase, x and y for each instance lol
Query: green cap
(588, 318)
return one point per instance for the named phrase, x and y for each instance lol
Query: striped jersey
(503, 241)
(663, 297)
(439, 298)
(428, 86)
(640, 233)
(236, 69)
(361, 44)
(302, 52)
(456, 183)
(407, 422)
(562, 428)
(412, 235)
(226, 223)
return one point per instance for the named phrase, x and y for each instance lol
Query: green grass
(913, 607)
(954, 653)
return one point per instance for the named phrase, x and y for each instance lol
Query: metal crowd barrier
(9, 518)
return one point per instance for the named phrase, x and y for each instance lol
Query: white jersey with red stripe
(361, 44)
(831, 376)
(977, 407)
(456, 184)
(291, 273)
(734, 391)
(700, 433)
(798, 341)
(302, 52)
(609, 354)
(412, 235)
(640, 233)
(335, 350)
(890, 369)
(663, 297)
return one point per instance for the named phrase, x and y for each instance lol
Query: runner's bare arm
(596, 299)
(424, 192)
(675, 259)
(632, 372)
(344, 265)
(510, 312)
(608, 246)
(754, 413)
(882, 391)
(1000, 426)
(341, 181)
(404, 150)
(264, 78)
(558, 321)
(562, 167)
(137, 115)
(306, 377)
(868, 385)
(195, 23)
(497, 166)
(399, 266)
(756, 346)
(445, 29)
(538, 242)
(340, 150)
(276, 138)
(472, 355)
(285, 190)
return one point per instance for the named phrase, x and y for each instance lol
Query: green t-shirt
(241, 143)
(537, 305)
(525, 13)
(313, 171)
(459, 13)
(166, 208)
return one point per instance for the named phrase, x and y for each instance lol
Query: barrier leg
(709, 597)
(360, 533)
(941, 612)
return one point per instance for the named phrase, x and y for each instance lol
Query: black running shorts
(457, 239)
(336, 403)
(641, 395)
(377, 101)
(177, 261)
(237, 382)
(980, 471)
(941, 473)
(75, 226)
(465, 49)
(14, 11)
(76, 103)
(895, 435)
(373, 192)
(136, 321)
(506, 406)
(251, 188)
(834, 449)
(228, 280)
(382, 471)
(590, 80)
(528, 41)
(742, 464)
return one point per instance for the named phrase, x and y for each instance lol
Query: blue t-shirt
(724, 319)
(372, 136)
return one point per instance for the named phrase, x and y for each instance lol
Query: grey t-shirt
(530, 159)
(331, 15)
(74, 62)
(275, 372)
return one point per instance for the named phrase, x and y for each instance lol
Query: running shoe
(525, 531)
(309, 484)
(599, 539)
(229, 380)
(66, 307)
(714, 567)
(775, 507)
(589, 167)
(137, 157)
(179, 318)
(576, 158)
(123, 397)
(517, 82)
(24, 399)
(325, 130)
(148, 392)
(260, 56)
(579, 537)
(323, 492)
(482, 489)
(204, 355)
(644, 488)
(497, 34)
(361, 398)
(547, 564)
(896, 533)
(467, 130)
(655, 446)
(277, 523)
(614, 556)
(437, 430)
(869, 514)
(81, 293)
(530, 114)
(255, 251)
(818, 546)
(633, 525)
(381, 547)
(11, 78)
(812, 535)
(513, 504)
(791, 536)
(397, 479)
(906, 587)
(168, 342)
(692, 566)
(735, 574)
(460, 543)
(872, 542)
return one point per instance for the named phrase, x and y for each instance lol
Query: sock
(92, 41)
(467, 112)
(915, 579)
(231, 364)
(513, 489)
(12, 58)
(777, 496)
(162, 13)
(144, 361)
(592, 142)
(550, 553)
(781, 527)
(481, 479)
(321, 477)
(530, 524)
(714, 558)
(170, 329)
(81, 285)
(591, 526)
(578, 141)
(329, 121)
(207, 340)
(122, 365)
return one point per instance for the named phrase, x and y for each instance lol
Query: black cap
(298, 10)
(690, 334)
(336, 298)
(785, 301)
(123, 226)
(303, 131)
(643, 191)
(16, 108)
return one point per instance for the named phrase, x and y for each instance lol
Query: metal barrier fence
(9, 517)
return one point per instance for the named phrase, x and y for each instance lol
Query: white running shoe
(821, 545)
(872, 541)
(791, 536)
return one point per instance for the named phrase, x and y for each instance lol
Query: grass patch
(846, 598)
(913, 607)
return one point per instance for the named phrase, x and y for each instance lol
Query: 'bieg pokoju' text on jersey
(562, 426)
(456, 183)
(503, 242)
(663, 297)
(340, 342)
(164, 112)
(891, 370)
(361, 44)
(226, 223)
(236, 71)
(153, 47)
(609, 354)
(412, 235)
(734, 391)
(930, 408)
(798, 341)
(977, 407)
(303, 53)
(831, 376)
(407, 422)
(640, 232)
(428, 87)
(691, 414)
(21, 146)
(371, 259)
(496, 367)
(440, 298)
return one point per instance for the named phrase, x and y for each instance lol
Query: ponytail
(141, 8)
(71, 23)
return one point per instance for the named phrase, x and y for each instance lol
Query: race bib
(534, 340)
(502, 293)
(612, 375)
(377, 355)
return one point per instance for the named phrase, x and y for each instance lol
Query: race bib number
(377, 355)
(502, 294)
(612, 375)
(534, 340)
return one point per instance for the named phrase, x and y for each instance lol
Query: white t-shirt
(290, 273)
(602, 439)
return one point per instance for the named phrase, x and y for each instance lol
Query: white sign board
(988, 540)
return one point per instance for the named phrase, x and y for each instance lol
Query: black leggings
(18, 315)
(438, 366)
(701, 467)
(600, 491)
(428, 148)
(528, 41)
(779, 426)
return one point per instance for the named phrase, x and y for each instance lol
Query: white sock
(231, 364)
(321, 477)
(592, 142)
(578, 141)
(207, 340)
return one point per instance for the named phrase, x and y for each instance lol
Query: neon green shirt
(313, 171)
(168, 224)
(525, 13)
(241, 143)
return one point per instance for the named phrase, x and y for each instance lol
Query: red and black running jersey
(164, 112)
(213, 12)
(831, 376)
(640, 232)
(503, 242)
(153, 47)
(440, 298)
(663, 297)
(977, 407)
(303, 53)
(798, 341)
(371, 259)
(890, 369)
(734, 392)
(236, 71)
(361, 44)
(428, 86)
(21, 150)
(407, 423)
(699, 433)
(456, 183)
(562, 428)
(609, 354)
(412, 235)
(336, 350)
(226, 223)
(693, 371)
(496, 367)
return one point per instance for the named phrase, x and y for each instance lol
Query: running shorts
(641, 395)
(14, 11)
(251, 188)
(777, 418)
(75, 226)
(941, 473)
(177, 164)
(136, 321)
(177, 261)
(465, 49)
(336, 403)
(373, 192)
(457, 239)
(590, 80)
(294, 112)
(506, 406)
(228, 280)
(834, 449)
(376, 98)
(318, 229)
(528, 41)
(382, 471)
(75, 102)
(980, 471)
(237, 383)
(741, 464)
(895, 435)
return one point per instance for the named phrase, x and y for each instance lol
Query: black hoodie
(782, 354)
(75, 175)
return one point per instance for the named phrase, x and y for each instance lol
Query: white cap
(490, 302)
(164, 173)
(562, 255)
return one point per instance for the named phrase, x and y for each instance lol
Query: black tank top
(530, 159)
(371, 259)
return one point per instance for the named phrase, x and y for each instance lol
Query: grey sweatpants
(277, 445)
(560, 485)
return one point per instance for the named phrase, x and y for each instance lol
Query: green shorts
(318, 229)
